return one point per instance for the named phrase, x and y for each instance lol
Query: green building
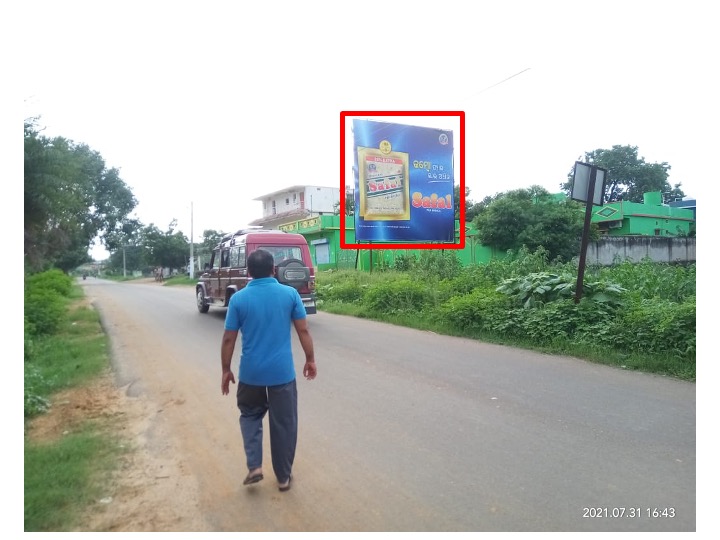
(622, 218)
(650, 218)
(323, 236)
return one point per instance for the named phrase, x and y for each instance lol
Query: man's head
(260, 264)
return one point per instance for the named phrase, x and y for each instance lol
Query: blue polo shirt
(263, 312)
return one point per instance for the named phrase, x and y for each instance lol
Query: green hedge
(46, 296)
(644, 308)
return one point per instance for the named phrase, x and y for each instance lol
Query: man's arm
(226, 353)
(301, 327)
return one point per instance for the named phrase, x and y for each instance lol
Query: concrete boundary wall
(610, 249)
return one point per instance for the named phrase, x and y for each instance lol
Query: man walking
(263, 312)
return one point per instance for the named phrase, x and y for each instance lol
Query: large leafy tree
(169, 249)
(71, 197)
(531, 218)
(629, 177)
(211, 238)
(456, 200)
(126, 245)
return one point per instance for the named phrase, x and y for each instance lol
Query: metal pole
(192, 260)
(124, 268)
(586, 233)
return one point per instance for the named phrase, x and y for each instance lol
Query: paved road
(405, 430)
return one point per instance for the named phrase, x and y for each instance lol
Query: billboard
(404, 180)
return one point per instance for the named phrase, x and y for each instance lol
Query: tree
(349, 204)
(125, 233)
(129, 257)
(70, 199)
(211, 238)
(126, 246)
(531, 218)
(629, 177)
(472, 208)
(169, 249)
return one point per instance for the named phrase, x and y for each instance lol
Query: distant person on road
(263, 312)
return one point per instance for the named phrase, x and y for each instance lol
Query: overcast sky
(213, 104)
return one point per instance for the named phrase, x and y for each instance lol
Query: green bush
(518, 263)
(50, 280)
(648, 279)
(342, 292)
(29, 334)
(658, 326)
(482, 309)
(44, 310)
(45, 295)
(469, 279)
(395, 296)
(341, 285)
(404, 262)
(644, 310)
(436, 265)
(563, 320)
(539, 288)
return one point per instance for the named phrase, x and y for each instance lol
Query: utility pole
(191, 270)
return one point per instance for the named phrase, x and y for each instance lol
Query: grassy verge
(660, 364)
(64, 477)
(180, 280)
(173, 280)
(66, 468)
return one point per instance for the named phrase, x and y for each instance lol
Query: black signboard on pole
(589, 187)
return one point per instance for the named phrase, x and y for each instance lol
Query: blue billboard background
(428, 157)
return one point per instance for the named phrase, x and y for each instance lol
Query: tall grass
(636, 316)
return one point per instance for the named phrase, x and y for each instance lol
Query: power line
(504, 80)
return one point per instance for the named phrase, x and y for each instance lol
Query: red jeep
(227, 273)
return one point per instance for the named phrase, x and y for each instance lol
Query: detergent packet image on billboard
(384, 188)
(404, 183)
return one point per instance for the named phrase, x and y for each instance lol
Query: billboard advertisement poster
(404, 181)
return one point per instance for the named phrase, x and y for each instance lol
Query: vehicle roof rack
(252, 230)
(229, 236)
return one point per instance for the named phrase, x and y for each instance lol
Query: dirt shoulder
(151, 490)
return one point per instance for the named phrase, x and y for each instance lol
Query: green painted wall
(630, 219)
(323, 235)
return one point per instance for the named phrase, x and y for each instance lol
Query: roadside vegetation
(65, 347)
(634, 316)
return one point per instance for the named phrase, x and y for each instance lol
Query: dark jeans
(281, 401)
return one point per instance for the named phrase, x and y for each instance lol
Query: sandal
(286, 487)
(254, 479)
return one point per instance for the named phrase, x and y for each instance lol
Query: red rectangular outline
(392, 245)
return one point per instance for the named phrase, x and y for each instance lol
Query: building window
(287, 202)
